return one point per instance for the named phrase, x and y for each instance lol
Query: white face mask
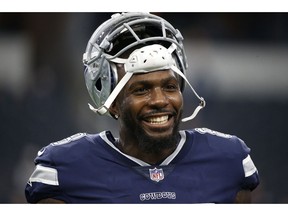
(147, 59)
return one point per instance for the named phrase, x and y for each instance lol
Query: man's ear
(113, 110)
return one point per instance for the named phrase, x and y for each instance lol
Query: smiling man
(135, 68)
(150, 105)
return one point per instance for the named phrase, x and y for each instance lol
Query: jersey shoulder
(219, 141)
(67, 149)
(228, 150)
(213, 133)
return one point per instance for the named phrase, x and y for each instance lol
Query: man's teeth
(158, 120)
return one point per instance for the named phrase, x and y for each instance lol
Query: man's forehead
(153, 76)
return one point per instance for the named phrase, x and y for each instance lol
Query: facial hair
(149, 144)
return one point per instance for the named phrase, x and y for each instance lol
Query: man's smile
(158, 120)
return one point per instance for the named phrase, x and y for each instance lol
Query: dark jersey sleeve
(234, 147)
(44, 182)
(251, 180)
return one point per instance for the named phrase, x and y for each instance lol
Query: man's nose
(158, 98)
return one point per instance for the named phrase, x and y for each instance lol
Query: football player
(135, 72)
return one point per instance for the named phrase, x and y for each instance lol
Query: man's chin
(156, 142)
(162, 135)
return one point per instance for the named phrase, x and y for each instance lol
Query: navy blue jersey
(206, 167)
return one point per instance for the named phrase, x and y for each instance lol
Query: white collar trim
(142, 163)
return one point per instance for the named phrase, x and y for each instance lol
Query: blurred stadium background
(237, 61)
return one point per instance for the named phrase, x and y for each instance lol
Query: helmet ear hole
(98, 84)
(114, 75)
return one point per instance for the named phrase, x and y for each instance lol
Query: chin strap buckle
(101, 110)
(201, 105)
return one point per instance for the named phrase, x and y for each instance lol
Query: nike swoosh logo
(41, 152)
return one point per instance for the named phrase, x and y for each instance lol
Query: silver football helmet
(138, 34)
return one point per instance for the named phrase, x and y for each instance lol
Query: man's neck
(131, 147)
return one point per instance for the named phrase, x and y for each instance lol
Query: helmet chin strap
(144, 60)
(202, 101)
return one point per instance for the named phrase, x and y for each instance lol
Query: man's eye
(171, 87)
(141, 90)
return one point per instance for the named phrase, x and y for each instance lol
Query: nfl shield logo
(156, 174)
